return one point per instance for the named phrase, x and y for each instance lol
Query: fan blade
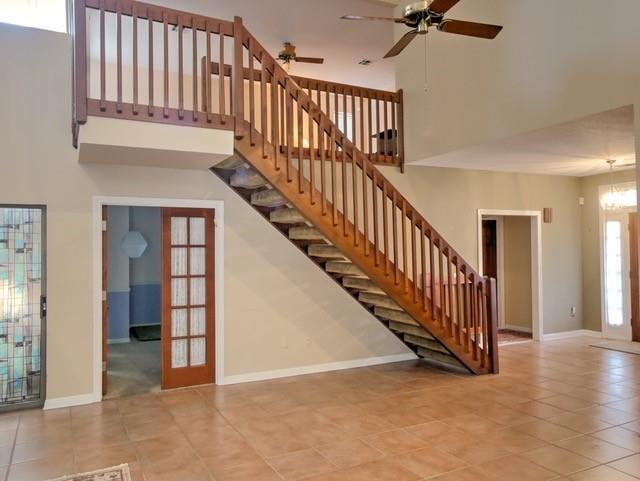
(384, 19)
(472, 29)
(309, 60)
(442, 6)
(402, 44)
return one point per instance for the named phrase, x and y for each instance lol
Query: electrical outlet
(573, 311)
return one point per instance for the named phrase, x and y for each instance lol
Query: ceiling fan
(288, 54)
(420, 16)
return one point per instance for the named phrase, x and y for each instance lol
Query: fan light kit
(288, 55)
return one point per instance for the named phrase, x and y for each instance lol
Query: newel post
(238, 77)
(79, 74)
(492, 305)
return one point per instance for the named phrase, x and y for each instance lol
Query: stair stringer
(343, 239)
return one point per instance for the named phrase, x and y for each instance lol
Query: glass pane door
(188, 311)
(22, 306)
(616, 278)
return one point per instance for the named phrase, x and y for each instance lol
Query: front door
(188, 318)
(617, 305)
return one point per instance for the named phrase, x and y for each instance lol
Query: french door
(188, 317)
(22, 306)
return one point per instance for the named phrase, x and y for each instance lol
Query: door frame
(98, 202)
(500, 263)
(602, 214)
(537, 313)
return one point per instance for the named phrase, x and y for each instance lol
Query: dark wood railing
(294, 131)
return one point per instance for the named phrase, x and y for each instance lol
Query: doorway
(172, 254)
(509, 250)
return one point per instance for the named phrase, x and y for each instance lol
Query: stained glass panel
(20, 290)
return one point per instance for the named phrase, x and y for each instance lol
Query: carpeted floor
(133, 368)
(508, 336)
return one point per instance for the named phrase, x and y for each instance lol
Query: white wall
(281, 310)
(554, 61)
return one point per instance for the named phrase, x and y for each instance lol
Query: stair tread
(325, 251)
(381, 300)
(247, 178)
(287, 216)
(305, 233)
(268, 198)
(366, 285)
(395, 315)
(230, 163)
(345, 268)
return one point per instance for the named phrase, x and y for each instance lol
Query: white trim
(537, 316)
(69, 401)
(316, 368)
(98, 202)
(122, 340)
(568, 334)
(526, 330)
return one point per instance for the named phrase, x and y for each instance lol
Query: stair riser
(343, 268)
(378, 300)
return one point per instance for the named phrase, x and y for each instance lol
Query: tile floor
(562, 410)
(133, 368)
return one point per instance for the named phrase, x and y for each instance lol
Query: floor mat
(146, 333)
(620, 346)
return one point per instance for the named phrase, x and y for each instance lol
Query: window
(44, 14)
(613, 273)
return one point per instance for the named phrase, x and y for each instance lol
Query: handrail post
(238, 77)
(79, 68)
(492, 328)
(400, 133)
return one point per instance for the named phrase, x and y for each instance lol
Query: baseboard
(526, 330)
(316, 368)
(65, 402)
(569, 334)
(123, 340)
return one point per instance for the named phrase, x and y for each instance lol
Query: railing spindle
(103, 63)
(345, 198)
(414, 261)
(206, 72)
(194, 36)
(252, 95)
(374, 193)
(180, 68)
(165, 32)
(221, 82)
(443, 301)
(394, 132)
(423, 261)
(432, 276)
(289, 131)
(385, 226)
(151, 110)
(378, 132)
(263, 105)
(312, 156)
(361, 122)
(334, 200)
(369, 123)
(365, 206)
(354, 194)
(450, 292)
(475, 344)
(238, 76)
(119, 56)
(134, 14)
(300, 125)
(396, 258)
(323, 174)
(386, 130)
(404, 246)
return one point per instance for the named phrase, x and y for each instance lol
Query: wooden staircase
(307, 164)
(254, 189)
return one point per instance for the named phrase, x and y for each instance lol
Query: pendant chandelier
(616, 198)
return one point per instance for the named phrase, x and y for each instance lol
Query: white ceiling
(577, 148)
(317, 31)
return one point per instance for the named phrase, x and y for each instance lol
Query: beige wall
(535, 74)
(517, 271)
(281, 311)
(591, 280)
(450, 199)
